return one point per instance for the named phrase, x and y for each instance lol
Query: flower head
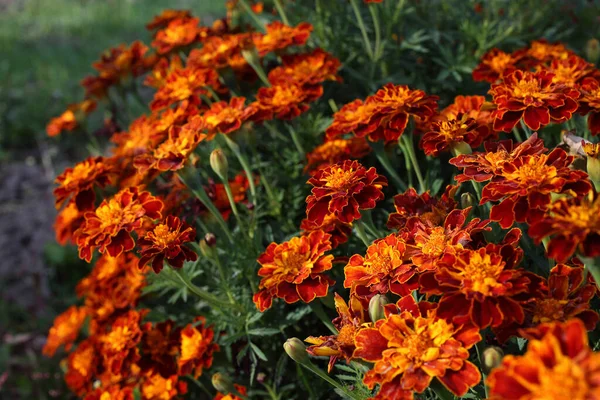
(447, 133)
(168, 15)
(412, 346)
(285, 101)
(352, 117)
(220, 51)
(306, 69)
(65, 330)
(69, 120)
(339, 231)
(558, 364)
(572, 70)
(427, 209)
(279, 36)
(589, 103)
(156, 387)
(166, 241)
(218, 195)
(119, 62)
(119, 345)
(494, 64)
(197, 348)
(108, 227)
(343, 189)
(337, 150)
(160, 346)
(294, 270)
(177, 33)
(223, 117)
(81, 367)
(163, 67)
(241, 389)
(68, 220)
(541, 52)
(534, 97)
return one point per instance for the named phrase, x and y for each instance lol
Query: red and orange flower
(157, 387)
(294, 270)
(186, 84)
(82, 365)
(558, 364)
(279, 36)
(589, 103)
(533, 97)
(178, 32)
(343, 190)
(67, 222)
(494, 64)
(339, 231)
(197, 348)
(108, 227)
(69, 120)
(166, 242)
(352, 117)
(223, 117)
(335, 151)
(119, 345)
(163, 67)
(306, 69)
(240, 389)
(65, 330)
(168, 15)
(284, 102)
(430, 210)
(119, 62)
(446, 134)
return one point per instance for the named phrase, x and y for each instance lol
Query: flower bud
(210, 239)
(296, 350)
(592, 50)
(461, 148)
(592, 152)
(219, 164)
(206, 249)
(250, 54)
(376, 307)
(491, 358)
(467, 200)
(223, 383)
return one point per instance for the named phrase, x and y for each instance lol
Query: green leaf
(258, 352)
(263, 331)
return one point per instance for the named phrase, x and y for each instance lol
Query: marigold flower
(352, 117)
(589, 104)
(472, 107)
(279, 36)
(294, 270)
(65, 330)
(572, 224)
(223, 117)
(446, 133)
(140, 137)
(77, 183)
(160, 346)
(179, 32)
(96, 87)
(335, 151)
(163, 67)
(494, 64)
(524, 186)
(81, 367)
(351, 319)
(118, 62)
(383, 269)
(220, 51)
(172, 154)
(557, 365)
(571, 70)
(68, 120)
(217, 194)
(178, 116)
(479, 287)
(541, 52)
(186, 84)
(343, 189)
(108, 227)
(157, 387)
(483, 166)
(306, 69)
(284, 102)
(163, 19)
(429, 210)
(166, 242)
(415, 346)
(339, 231)
(393, 105)
(241, 389)
(119, 344)
(67, 222)
(534, 97)
(113, 392)
(197, 348)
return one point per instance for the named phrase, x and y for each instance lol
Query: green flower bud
(296, 350)
(592, 50)
(219, 164)
(376, 307)
(461, 148)
(223, 383)
(467, 200)
(491, 358)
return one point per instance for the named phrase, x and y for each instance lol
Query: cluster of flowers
(435, 247)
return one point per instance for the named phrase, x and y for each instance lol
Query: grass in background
(47, 47)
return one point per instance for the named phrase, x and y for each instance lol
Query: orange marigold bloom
(339, 231)
(447, 133)
(572, 224)
(164, 120)
(383, 269)
(81, 367)
(113, 392)
(472, 106)
(158, 76)
(197, 348)
(279, 36)
(77, 183)
(393, 105)
(68, 120)
(534, 97)
(494, 64)
(352, 117)
(558, 364)
(284, 101)
(524, 186)
(157, 387)
(589, 104)
(108, 227)
(351, 319)
(427, 209)
(335, 151)
(65, 330)
(241, 389)
(480, 287)
(171, 154)
(483, 166)
(166, 241)
(96, 86)
(67, 222)
(219, 51)
(343, 189)
(179, 32)
(541, 52)
(306, 69)
(118, 62)
(412, 346)
(140, 137)
(119, 344)
(160, 346)
(163, 19)
(223, 117)
(186, 84)
(294, 270)
(571, 70)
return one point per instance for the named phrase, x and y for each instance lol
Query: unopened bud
(376, 307)
(206, 250)
(592, 50)
(296, 350)
(223, 383)
(461, 148)
(210, 239)
(261, 377)
(251, 55)
(491, 358)
(592, 152)
(466, 200)
(219, 164)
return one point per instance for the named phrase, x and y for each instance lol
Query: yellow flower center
(80, 172)
(346, 335)
(500, 62)
(584, 216)
(285, 95)
(380, 263)
(339, 179)
(163, 236)
(191, 346)
(453, 129)
(534, 173)
(157, 388)
(528, 88)
(497, 159)
(292, 262)
(112, 214)
(117, 339)
(174, 33)
(82, 361)
(226, 115)
(548, 310)
(436, 243)
(480, 274)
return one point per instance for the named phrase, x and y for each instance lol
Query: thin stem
(526, 129)
(200, 385)
(375, 17)
(223, 276)
(254, 17)
(232, 204)
(317, 371)
(281, 12)
(440, 390)
(593, 266)
(296, 141)
(317, 309)
(208, 297)
(244, 163)
(360, 232)
(363, 29)
(408, 145)
(395, 17)
(517, 134)
(257, 67)
(479, 349)
(385, 162)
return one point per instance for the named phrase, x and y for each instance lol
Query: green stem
(317, 309)
(317, 371)
(360, 232)
(244, 163)
(257, 67)
(408, 145)
(593, 266)
(208, 297)
(526, 129)
(232, 204)
(395, 17)
(385, 162)
(254, 17)
(200, 385)
(363, 29)
(376, 26)
(479, 348)
(223, 276)
(296, 141)
(517, 134)
(281, 12)
(440, 390)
